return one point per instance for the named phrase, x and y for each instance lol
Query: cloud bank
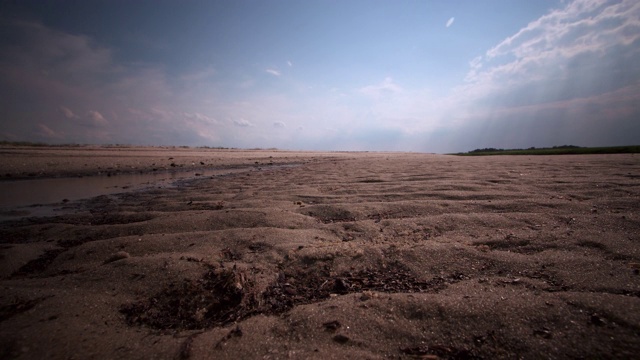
(570, 76)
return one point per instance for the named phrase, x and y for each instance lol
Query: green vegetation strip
(556, 150)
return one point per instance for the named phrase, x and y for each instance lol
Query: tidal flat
(324, 255)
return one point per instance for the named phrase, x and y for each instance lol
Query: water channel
(45, 197)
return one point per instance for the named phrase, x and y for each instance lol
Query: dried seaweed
(218, 298)
(226, 296)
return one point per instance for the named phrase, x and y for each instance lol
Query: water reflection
(18, 197)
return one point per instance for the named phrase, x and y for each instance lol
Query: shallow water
(40, 197)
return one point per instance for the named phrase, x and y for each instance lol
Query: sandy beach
(307, 255)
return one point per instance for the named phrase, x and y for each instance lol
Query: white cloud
(279, 124)
(385, 88)
(68, 113)
(47, 133)
(274, 72)
(201, 118)
(242, 123)
(570, 76)
(289, 63)
(584, 40)
(450, 21)
(97, 119)
(204, 126)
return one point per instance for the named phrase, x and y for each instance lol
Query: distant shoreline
(556, 150)
(28, 162)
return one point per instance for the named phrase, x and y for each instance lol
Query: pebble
(341, 339)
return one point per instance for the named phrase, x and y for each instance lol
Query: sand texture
(344, 255)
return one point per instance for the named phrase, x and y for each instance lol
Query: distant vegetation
(556, 150)
(35, 144)
(41, 144)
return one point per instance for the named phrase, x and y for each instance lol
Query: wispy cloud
(96, 119)
(558, 74)
(563, 49)
(206, 127)
(450, 22)
(384, 89)
(242, 123)
(201, 118)
(47, 133)
(274, 72)
(68, 113)
(279, 124)
(289, 63)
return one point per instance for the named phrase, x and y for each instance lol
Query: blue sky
(429, 76)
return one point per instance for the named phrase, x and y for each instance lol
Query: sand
(339, 255)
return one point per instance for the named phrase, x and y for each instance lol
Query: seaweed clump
(216, 299)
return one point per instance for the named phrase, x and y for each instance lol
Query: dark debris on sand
(225, 296)
(218, 298)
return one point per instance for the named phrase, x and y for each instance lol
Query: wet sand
(347, 255)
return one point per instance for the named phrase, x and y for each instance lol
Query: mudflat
(336, 255)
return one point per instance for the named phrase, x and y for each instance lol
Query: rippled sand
(346, 255)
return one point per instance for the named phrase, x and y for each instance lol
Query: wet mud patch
(329, 214)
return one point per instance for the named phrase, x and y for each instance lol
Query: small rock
(290, 290)
(340, 339)
(332, 325)
(341, 286)
(483, 247)
(544, 332)
(367, 295)
(597, 320)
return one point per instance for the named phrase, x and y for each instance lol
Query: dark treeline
(556, 150)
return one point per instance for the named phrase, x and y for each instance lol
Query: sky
(359, 75)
